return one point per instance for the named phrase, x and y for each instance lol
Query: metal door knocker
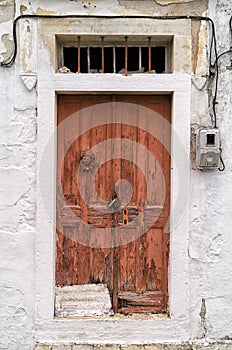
(87, 161)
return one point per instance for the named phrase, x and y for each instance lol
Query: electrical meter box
(207, 149)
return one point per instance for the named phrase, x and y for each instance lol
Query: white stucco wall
(211, 210)
(18, 208)
(207, 235)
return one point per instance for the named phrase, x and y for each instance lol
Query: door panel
(132, 257)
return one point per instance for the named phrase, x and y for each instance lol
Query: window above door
(115, 54)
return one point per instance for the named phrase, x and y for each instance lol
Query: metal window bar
(79, 55)
(114, 59)
(149, 54)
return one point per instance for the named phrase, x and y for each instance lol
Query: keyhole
(125, 216)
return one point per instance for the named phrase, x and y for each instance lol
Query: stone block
(83, 347)
(61, 347)
(107, 347)
(42, 347)
(83, 300)
(132, 347)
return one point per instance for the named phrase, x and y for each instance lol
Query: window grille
(125, 56)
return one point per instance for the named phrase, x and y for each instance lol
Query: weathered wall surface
(210, 203)
(17, 193)
(211, 211)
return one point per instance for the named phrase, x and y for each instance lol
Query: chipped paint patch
(40, 11)
(23, 8)
(28, 48)
(169, 2)
(6, 46)
(201, 68)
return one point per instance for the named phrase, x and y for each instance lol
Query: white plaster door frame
(113, 329)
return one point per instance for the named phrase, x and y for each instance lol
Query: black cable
(215, 96)
(222, 165)
(224, 53)
(213, 45)
(9, 62)
(231, 26)
(230, 50)
(215, 66)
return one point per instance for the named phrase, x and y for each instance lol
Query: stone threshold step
(185, 346)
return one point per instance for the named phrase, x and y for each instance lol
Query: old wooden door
(113, 197)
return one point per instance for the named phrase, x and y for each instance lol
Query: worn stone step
(185, 346)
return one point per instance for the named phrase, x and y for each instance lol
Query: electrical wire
(222, 165)
(215, 66)
(230, 50)
(10, 61)
(213, 44)
(224, 53)
(231, 26)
